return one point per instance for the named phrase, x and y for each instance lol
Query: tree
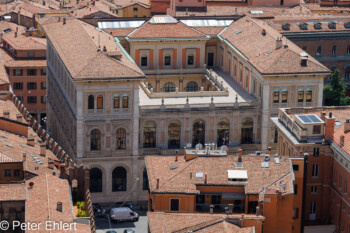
(334, 94)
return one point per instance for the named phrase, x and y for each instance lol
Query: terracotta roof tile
(13, 192)
(119, 32)
(210, 30)
(263, 55)
(21, 42)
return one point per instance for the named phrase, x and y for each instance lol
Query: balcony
(220, 208)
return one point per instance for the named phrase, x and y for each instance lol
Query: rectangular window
(17, 72)
(18, 86)
(125, 101)
(284, 96)
(31, 72)
(315, 170)
(174, 204)
(144, 61)
(276, 96)
(348, 50)
(136, 9)
(7, 172)
(43, 72)
(316, 152)
(295, 189)
(167, 60)
(316, 129)
(20, 98)
(313, 207)
(340, 181)
(31, 86)
(43, 99)
(313, 189)
(31, 99)
(301, 95)
(43, 85)
(295, 168)
(17, 172)
(116, 102)
(309, 95)
(100, 102)
(346, 187)
(190, 60)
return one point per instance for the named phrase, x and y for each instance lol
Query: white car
(124, 214)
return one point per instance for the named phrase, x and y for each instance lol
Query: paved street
(140, 226)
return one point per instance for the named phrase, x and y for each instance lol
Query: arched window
(95, 180)
(284, 96)
(119, 179)
(91, 100)
(169, 87)
(309, 95)
(95, 139)
(174, 133)
(247, 131)
(223, 132)
(121, 138)
(276, 96)
(149, 134)
(318, 50)
(99, 102)
(192, 86)
(145, 180)
(347, 73)
(198, 133)
(300, 95)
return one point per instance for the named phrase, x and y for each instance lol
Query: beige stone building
(140, 88)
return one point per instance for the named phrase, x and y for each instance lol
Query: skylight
(308, 119)
(237, 175)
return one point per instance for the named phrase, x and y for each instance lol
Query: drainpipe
(304, 193)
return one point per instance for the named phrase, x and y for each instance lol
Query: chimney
(59, 206)
(6, 114)
(16, 34)
(64, 21)
(269, 150)
(205, 178)
(62, 170)
(157, 183)
(104, 48)
(43, 149)
(278, 42)
(59, 19)
(24, 156)
(347, 125)
(329, 127)
(263, 32)
(30, 141)
(211, 209)
(323, 115)
(239, 155)
(191, 175)
(176, 156)
(19, 117)
(16, 29)
(267, 158)
(342, 140)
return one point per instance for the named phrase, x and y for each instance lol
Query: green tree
(334, 93)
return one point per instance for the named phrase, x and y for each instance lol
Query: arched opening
(192, 87)
(169, 87)
(99, 102)
(95, 180)
(121, 138)
(95, 139)
(347, 73)
(198, 133)
(149, 134)
(247, 131)
(223, 132)
(119, 179)
(91, 100)
(145, 180)
(174, 133)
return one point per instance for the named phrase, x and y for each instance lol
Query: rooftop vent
(263, 32)
(278, 42)
(347, 126)
(199, 175)
(277, 160)
(174, 167)
(264, 164)
(239, 31)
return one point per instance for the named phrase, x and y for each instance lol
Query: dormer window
(303, 26)
(317, 26)
(332, 25)
(286, 26)
(347, 24)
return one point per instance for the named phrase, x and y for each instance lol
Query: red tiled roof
(119, 32)
(165, 30)
(263, 55)
(210, 30)
(21, 42)
(13, 192)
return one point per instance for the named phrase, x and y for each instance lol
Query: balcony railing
(220, 208)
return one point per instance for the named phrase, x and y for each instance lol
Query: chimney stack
(43, 149)
(342, 140)
(278, 42)
(329, 127)
(64, 21)
(269, 150)
(191, 175)
(347, 125)
(176, 156)
(157, 183)
(59, 206)
(240, 155)
(16, 34)
(104, 48)
(205, 178)
(30, 141)
(24, 156)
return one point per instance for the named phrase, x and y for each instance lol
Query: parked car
(129, 231)
(124, 214)
(111, 231)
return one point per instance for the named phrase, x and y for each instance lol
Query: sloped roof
(81, 54)
(263, 54)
